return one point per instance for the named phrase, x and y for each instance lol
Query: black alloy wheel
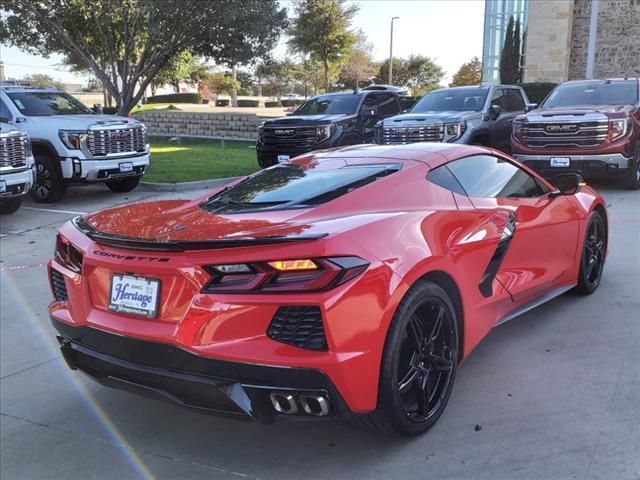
(49, 186)
(594, 251)
(419, 362)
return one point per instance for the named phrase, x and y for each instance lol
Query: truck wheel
(49, 186)
(10, 205)
(125, 185)
(632, 181)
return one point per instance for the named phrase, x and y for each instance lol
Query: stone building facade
(557, 38)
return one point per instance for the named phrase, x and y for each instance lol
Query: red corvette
(347, 283)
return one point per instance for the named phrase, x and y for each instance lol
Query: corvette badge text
(131, 257)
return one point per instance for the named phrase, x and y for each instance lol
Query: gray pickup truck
(477, 115)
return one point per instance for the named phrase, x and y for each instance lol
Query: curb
(184, 186)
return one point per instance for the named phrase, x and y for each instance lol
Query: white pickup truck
(16, 168)
(72, 144)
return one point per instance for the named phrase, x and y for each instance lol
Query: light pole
(391, 52)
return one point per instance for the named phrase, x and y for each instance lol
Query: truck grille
(297, 137)
(110, 141)
(415, 134)
(13, 150)
(565, 134)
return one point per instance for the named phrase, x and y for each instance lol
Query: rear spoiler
(131, 243)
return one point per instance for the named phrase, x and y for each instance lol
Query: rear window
(603, 93)
(42, 104)
(294, 186)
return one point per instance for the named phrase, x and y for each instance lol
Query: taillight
(294, 275)
(67, 255)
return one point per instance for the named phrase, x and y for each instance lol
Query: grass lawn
(199, 159)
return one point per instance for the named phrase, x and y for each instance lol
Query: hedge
(272, 104)
(537, 91)
(176, 98)
(248, 103)
(292, 103)
(223, 102)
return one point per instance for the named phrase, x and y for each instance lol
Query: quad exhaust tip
(311, 404)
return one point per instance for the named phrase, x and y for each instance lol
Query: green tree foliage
(277, 75)
(181, 67)
(320, 30)
(418, 73)
(359, 66)
(221, 83)
(470, 73)
(42, 81)
(510, 70)
(126, 43)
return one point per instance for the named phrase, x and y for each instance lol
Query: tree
(470, 73)
(419, 73)
(510, 71)
(243, 43)
(359, 65)
(277, 75)
(41, 80)
(221, 83)
(125, 43)
(320, 29)
(181, 67)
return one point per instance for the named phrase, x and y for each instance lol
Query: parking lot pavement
(554, 394)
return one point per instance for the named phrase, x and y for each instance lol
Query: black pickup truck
(326, 121)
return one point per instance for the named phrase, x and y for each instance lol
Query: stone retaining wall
(241, 126)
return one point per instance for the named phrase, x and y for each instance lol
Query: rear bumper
(166, 372)
(589, 165)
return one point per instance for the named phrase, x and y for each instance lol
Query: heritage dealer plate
(136, 295)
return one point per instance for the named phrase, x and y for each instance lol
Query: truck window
(4, 111)
(452, 100)
(623, 92)
(340, 104)
(385, 103)
(515, 102)
(499, 98)
(42, 104)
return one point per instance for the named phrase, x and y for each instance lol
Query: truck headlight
(454, 131)
(617, 128)
(517, 129)
(324, 132)
(73, 139)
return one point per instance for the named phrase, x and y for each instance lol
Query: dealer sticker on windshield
(283, 158)
(559, 161)
(136, 295)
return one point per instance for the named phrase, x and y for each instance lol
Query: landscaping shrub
(223, 102)
(272, 104)
(176, 98)
(537, 91)
(292, 103)
(248, 103)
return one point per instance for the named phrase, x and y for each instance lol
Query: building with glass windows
(557, 35)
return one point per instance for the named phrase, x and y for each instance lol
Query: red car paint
(404, 226)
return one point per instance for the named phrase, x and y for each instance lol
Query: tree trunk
(326, 75)
(234, 92)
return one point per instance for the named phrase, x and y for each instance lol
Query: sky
(448, 31)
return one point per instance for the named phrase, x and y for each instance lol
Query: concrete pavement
(555, 393)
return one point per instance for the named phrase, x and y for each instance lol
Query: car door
(539, 251)
(500, 126)
(384, 105)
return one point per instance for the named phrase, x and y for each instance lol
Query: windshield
(603, 93)
(291, 185)
(330, 105)
(42, 104)
(458, 100)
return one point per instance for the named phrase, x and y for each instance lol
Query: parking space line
(70, 212)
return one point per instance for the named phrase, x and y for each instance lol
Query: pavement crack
(26, 369)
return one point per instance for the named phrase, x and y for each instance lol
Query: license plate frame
(125, 167)
(129, 306)
(283, 158)
(560, 162)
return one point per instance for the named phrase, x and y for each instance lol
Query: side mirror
(371, 112)
(530, 106)
(494, 111)
(568, 184)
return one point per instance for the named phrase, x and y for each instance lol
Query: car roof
(14, 89)
(601, 80)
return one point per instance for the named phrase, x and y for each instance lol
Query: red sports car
(347, 283)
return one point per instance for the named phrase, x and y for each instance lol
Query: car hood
(581, 110)
(292, 120)
(77, 122)
(186, 221)
(431, 117)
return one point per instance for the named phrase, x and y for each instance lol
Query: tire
(632, 181)
(10, 205)
(124, 185)
(594, 248)
(408, 370)
(49, 186)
